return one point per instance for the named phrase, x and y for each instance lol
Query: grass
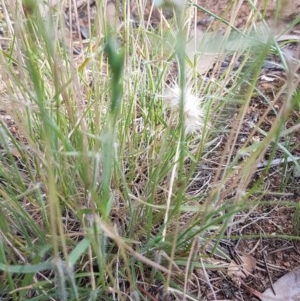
(104, 194)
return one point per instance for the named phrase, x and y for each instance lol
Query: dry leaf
(296, 172)
(287, 37)
(201, 51)
(112, 15)
(247, 266)
(287, 288)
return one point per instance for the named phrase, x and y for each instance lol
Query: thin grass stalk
(181, 150)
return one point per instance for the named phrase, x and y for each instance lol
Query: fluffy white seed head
(193, 113)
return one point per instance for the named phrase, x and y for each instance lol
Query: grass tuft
(124, 167)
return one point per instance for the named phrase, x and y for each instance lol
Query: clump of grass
(103, 195)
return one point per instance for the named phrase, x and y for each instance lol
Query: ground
(274, 256)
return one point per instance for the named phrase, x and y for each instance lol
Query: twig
(269, 276)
